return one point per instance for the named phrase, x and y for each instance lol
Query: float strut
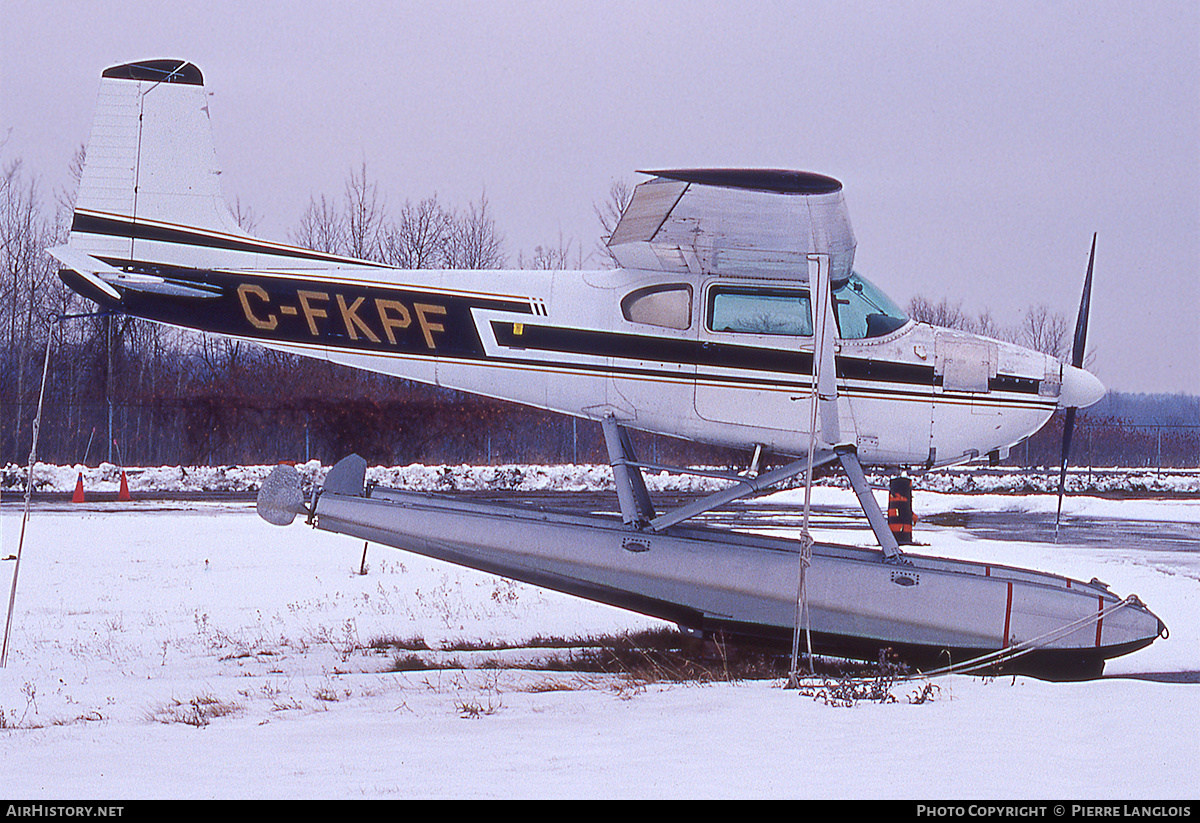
(636, 507)
(870, 507)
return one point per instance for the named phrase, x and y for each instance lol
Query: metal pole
(108, 390)
(37, 422)
(89, 445)
(819, 301)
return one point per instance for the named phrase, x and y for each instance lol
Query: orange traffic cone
(78, 496)
(124, 493)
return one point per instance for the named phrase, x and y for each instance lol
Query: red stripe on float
(1100, 622)
(1008, 614)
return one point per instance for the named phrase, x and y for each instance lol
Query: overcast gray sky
(980, 144)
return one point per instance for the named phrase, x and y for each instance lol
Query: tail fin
(150, 178)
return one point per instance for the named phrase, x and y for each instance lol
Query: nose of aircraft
(1080, 388)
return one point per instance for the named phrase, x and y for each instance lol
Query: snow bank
(165, 480)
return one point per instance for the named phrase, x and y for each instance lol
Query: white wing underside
(676, 226)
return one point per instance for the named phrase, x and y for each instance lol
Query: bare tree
(244, 216)
(364, 215)
(1040, 328)
(27, 283)
(321, 228)
(474, 242)
(419, 239)
(1045, 331)
(354, 230)
(944, 314)
(65, 197)
(986, 325)
(551, 258)
(609, 214)
(426, 235)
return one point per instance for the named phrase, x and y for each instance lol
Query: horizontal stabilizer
(168, 288)
(86, 267)
(104, 277)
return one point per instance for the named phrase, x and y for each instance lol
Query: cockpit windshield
(862, 310)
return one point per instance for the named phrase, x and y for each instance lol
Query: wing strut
(824, 409)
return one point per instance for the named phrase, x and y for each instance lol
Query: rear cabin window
(751, 310)
(667, 306)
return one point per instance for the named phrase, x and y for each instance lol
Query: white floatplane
(735, 318)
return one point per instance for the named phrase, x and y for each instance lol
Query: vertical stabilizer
(151, 169)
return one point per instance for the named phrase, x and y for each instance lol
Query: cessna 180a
(736, 318)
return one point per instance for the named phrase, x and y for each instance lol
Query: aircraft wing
(745, 222)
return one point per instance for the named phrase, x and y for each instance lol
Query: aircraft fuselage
(572, 342)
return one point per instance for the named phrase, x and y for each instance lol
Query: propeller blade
(1077, 352)
(1068, 425)
(1081, 322)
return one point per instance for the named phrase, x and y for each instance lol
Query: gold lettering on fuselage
(389, 322)
(311, 313)
(428, 328)
(353, 321)
(394, 315)
(249, 288)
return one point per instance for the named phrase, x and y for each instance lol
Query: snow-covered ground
(171, 649)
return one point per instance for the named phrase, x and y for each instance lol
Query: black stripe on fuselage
(725, 355)
(316, 312)
(108, 226)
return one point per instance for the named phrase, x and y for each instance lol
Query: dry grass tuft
(198, 712)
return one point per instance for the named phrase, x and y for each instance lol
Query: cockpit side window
(668, 306)
(760, 310)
